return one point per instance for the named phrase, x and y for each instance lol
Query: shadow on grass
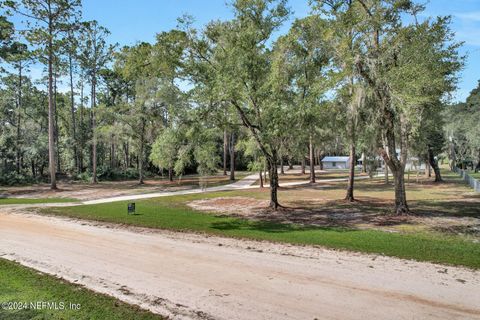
(471, 230)
(340, 186)
(436, 208)
(301, 215)
(21, 314)
(350, 215)
(271, 227)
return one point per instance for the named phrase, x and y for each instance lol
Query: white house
(412, 164)
(336, 162)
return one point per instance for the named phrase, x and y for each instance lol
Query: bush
(13, 178)
(105, 173)
(84, 176)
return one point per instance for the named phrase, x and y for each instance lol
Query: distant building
(343, 162)
(336, 162)
(412, 164)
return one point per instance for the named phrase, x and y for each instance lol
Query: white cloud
(470, 36)
(468, 27)
(473, 16)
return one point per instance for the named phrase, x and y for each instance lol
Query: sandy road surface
(193, 276)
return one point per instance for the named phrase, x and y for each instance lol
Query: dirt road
(197, 277)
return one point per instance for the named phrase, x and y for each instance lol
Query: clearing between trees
(218, 270)
(444, 229)
(188, 276)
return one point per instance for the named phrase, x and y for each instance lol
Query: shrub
(13, 178)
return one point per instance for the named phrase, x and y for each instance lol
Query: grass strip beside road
(24, 293)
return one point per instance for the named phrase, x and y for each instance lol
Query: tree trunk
(427, 167)
(351, 175)
(51, 114)
(477, 168)
(388, 121)
(57, 132)
(170, 174)
(127, 155)
(385, 165)
(261, 178)
(140, 155)
(282, 171)
(401, 207)
(265, 171)
(312, 161)
(303, 164)
(272, 171)
(19, 119)
(271, 156)
(232, 157)
(113, 162)
(434, 165)
(396, 165)
(453, 157)
(94, 125)
(82, 136)
(72, 111)
(352, 133)
(34, 173)
(225, 151)
(386, 174)
(364, 163)
(90, 122)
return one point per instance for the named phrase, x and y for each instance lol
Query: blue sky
(134, 21)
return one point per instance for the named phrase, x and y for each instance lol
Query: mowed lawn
(450, 199)
(21, 286)
(474, 174)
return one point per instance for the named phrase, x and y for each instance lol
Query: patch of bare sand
(235, 206)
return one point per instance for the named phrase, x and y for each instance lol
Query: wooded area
(366, 78)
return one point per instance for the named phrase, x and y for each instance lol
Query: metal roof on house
(335, 159)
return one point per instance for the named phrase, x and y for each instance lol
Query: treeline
(462, 129)
(353, 77)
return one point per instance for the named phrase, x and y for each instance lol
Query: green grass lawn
(34, 201)
(172, 213)
(473, 174)
(25, 285)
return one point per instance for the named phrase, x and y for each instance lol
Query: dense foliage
(462, 127)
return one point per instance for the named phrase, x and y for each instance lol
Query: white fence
(474, 183)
